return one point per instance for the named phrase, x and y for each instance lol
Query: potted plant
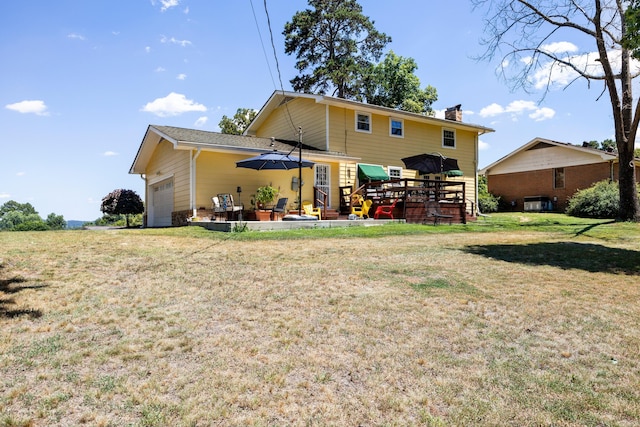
(265, 195)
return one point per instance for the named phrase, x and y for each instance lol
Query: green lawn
(516, 319)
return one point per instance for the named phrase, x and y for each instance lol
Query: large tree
(239, 122)
(122, 202)
(530, 39)
(392, 83)
(335, 45)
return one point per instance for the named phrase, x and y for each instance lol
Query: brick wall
(516, 186)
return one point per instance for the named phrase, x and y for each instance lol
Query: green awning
(453, 172)
(372, 172)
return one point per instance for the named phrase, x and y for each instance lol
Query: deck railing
(415, 191)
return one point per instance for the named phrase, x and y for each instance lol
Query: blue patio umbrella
(274, 161)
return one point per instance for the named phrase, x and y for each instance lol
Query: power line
(264, 51)
(275, 55)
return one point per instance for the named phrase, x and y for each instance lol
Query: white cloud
(109, 153)
(557, 75)
(559, 47)
(76, 36)
(36, 107)
(173, 40)
(491, 110)
(201, 121)
(160, 70)
(165, 4)
(173, 104)
(542, 114)
(21, 174)
(5, 195)
(516, 109)
(147, 49)
(181, 76)
(483, 145)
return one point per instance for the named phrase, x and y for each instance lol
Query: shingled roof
(183, 138)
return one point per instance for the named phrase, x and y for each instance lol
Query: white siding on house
(545, 158)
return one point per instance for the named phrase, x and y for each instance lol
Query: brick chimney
(454, 113)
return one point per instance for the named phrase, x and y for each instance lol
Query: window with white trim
(396, 127)
(363, 122)
(394, 172)
(449, 138)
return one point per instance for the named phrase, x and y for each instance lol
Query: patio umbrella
(274, 160)
(433, 163)
(279, 161)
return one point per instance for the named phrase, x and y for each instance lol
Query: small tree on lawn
(122, 202)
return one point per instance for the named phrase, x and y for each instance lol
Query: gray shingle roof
(217, 139)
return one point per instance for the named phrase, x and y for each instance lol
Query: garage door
(161, 203)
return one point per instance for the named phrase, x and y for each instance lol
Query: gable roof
(539, 143)
(193, 139)
(280, 97)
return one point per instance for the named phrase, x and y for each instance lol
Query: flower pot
(263, 215)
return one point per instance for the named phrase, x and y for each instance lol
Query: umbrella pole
(300, 170)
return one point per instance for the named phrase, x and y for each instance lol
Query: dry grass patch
(443, 329)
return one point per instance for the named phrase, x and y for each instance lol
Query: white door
(323, 180)
(161, 204)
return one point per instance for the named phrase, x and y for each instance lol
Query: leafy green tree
(240, 121)
(636, 153)
(525, 34)
(56, 222)
(12, 206)
(592, 144)
(487, 202)
(631, 36)
(122, 202)
(12, 214)
(335, 45)
(392, 83)
(608, 144)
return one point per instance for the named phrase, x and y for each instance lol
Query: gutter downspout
(477, 195)
(611, 177)
(192, 178)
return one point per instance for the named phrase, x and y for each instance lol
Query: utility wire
(273, 46)
(264, 51)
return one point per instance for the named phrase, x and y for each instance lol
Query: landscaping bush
(487, 202)
(36, 225)
(601, 200)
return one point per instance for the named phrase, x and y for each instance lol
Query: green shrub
(487, 202)
(37, 225)
(601, 200)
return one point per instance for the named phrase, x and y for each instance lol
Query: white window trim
(394, 119)
(395, 168)
(360, 113)
(455, 138)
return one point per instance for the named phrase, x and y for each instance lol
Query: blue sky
(81, 81)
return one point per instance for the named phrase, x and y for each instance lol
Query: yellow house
(349, 142)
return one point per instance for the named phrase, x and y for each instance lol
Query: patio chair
(218, 211)
(279, 208)
(229, 207)
(432, 208)
(310, 210)
(363, 210)
(385, 210)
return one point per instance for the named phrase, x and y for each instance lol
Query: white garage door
(161, 204)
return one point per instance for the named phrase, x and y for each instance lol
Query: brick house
(543, 174)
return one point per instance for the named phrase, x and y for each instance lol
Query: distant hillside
(76, 224)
